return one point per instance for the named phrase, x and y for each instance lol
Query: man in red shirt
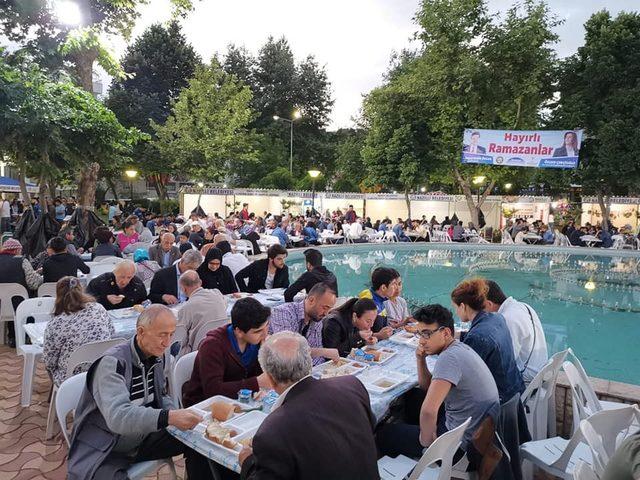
(244, 213)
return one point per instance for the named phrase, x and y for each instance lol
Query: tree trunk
(406, 199)
(84, 68)
(22, 180)
(112, 186)
(364, 208)
(158, 184)
(474, 208)
(87, 186)
(605, 206)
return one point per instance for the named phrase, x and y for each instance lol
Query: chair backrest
(7, 292)
(602, 430)
(40, 309)
(100, 268)
(90, 352)
(583, 471)
(109, 259)
(67, 399)
(584, 400)
(506, 238)
(539, 393)
(390, 236)
(204, 329)
(47, 289)
(246, 245)
(443, 448)
(181, 373)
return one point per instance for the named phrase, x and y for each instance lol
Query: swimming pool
(587, 299)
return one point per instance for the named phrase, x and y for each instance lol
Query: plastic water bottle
(146, 303)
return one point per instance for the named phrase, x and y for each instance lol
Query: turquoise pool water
(601, 322)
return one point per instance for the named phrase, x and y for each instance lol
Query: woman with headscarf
(215, 275)
(145, 268)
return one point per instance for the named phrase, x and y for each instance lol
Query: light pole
(479, 180)
(313, 174)
(296, 116)
(131, 175)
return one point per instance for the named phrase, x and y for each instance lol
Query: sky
(353, 39)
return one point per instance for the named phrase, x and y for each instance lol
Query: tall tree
(599, 87)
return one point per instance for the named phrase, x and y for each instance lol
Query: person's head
(56, 245)
(183, 237)
(209, 233)
(213, 259)
(189, 282)
(475, 138)
(128, 228)
(140, 255)
(103, 235)
(468, 298)
(154, 329)
(191, 260)
(363, 312)
(245, 206)
(384, 281)
(196, 227)
(435, 327)
(70, 296)
(571, 140)
(166, 241)
(277, 255)
(320, 299)
(224, 246)
(350, 208)
(495, 297)
(313, 258)
(124, 272)
(250, 320)
(67, 234)
(286, 359)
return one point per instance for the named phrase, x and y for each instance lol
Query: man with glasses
(460, 379)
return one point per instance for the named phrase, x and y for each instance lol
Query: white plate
(387, 353)
(381, 381)
(405, 338)
(347, 367)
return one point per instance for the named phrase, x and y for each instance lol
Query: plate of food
(338, 368)
(220, 408)
(405, 338)
(381, 381)
(233, 434)
(380, 354)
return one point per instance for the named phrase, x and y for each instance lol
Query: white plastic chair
(8, 291)
(40, 309)
(181, 373)
(204, 329)
(47, 289)
(87, 353)
(583, 471)
(390, 237)
(539, 398)
(69, 395)
(245, 246)
(506, 238)
(442, 449)
(100, 268)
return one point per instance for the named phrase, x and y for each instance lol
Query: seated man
(118, 289)
(280, 231)
(227, 359)
(527, 335)
(105, 244)
(270, 272)
(164, 286)
(337, 444)
(203, 305)
(60, 263)
(165, 253)
(124, 410)
(384, 281)
(460, 380)
(235, 261)
(316, 273)
(306, 318)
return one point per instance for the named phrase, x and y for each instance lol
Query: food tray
(123, 313)
(245, 426)
(338, 368)
(386, 355)
(380, 381)
(204, 409)
(405, 338)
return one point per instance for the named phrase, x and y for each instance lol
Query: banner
(521, 148)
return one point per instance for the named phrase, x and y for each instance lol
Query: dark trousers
(156, 446)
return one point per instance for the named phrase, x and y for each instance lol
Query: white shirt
(6, 209)
(523, 328)
(235, 262)
(355, 231)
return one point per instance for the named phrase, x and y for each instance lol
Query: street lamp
(131, 175)
(507, 186)
(313, 174)
(296, 115)
(67, 12)
(479, 180)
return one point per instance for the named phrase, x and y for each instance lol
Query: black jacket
(61, 265)
(308, 279)
(222, 279)
(106, 250)
(105, 284)
(256, 272)
(338, 332)
(164, 282)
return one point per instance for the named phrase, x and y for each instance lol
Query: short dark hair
(495, 293)
(383, 276)
(65, 231)
(275, 250)
(184, 233)
(475, 133)
(102, 234)
(224, 246)
(57, 244)
(126, 224)
(320, 289)
(313, 257)
(435, 313)
(248, 313)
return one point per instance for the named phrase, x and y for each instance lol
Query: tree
(206, 133)
(349, 165)
(599, 87)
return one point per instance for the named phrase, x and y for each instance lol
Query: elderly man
(164, 285)
(120, 288)
(124, 410)
(166, 252)
(203, 306)
(305, 318)
(338, 443)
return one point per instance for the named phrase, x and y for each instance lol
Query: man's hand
(263, 381)
(115, 299)
(169, 299)
(245, 453)
(331, 353)
(184, 419)
(396, 323)
(421, 351)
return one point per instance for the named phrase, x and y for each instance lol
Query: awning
(8, 184)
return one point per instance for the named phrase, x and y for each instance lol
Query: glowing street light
(295, 116)
(200, 184)
(131, 175)
(313, 174)
(423, 189)
(479, 179)
(507, 186)
(67, 12)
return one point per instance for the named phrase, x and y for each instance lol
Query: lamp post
(131, 175)
(296, 116)
(313, 174)
(507, 186)
(479, 180)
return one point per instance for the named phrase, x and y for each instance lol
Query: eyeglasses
(426, 334)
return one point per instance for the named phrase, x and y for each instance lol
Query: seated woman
(127, 236)
(77, 320)
(145, 268)
(349, 326)
(105, 246)
(215, 275)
